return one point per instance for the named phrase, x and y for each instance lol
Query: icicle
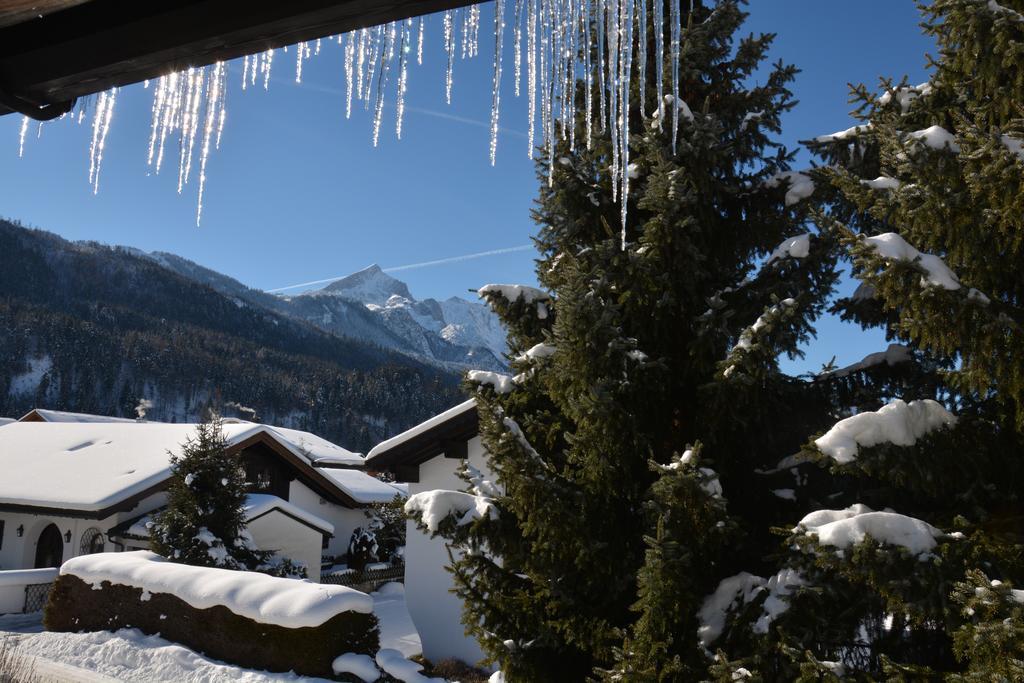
(268, 58)
(317, 51)
(659, 55)
(588, 75)
(245, 71)
(612, 22)
(222, 105)
(465, 32)
(531, 67)
(101, 126)
(547, 88)
(449, 45)
(403, 74)
(21, 136)
(626, 51)
(517, 43)
(350, 51)
(360, 63)
(642, 55)
(159, 96)
(675, 71)
(499, 31)
(298, 61)
(215, 94)
(419, 44)
(599, 11)
(378, 39)
(387, 55)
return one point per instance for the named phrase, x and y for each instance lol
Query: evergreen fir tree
(647, 399)
(204, 521)
(926, 195)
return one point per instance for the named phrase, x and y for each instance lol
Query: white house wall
(345, 520)
(288, 538)
(436, 611)
(20, 552)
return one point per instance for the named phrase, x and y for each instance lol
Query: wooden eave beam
(99, 44)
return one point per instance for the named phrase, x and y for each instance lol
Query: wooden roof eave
(48, 61)
(449, 438)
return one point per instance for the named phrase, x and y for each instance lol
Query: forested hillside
(97, 329)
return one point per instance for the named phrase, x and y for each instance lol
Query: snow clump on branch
(898, 423)
(843, 529)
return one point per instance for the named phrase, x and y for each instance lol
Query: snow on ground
(129, 655)
(397, 631)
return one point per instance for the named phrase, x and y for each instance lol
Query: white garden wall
(13, 583)
(434, 609)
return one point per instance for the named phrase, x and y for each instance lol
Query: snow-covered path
(130, 655)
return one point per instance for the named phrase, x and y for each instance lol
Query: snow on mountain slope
(368, 286)
(372, 306)
(454, 332)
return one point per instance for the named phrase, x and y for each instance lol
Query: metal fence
(366, 581)
(36, 595)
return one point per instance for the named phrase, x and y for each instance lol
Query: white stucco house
(73, 484)
(428, 457)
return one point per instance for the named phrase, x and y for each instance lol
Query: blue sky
(298, 193)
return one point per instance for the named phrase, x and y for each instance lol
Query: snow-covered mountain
(454, 332)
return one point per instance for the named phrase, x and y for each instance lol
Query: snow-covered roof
(361, 487)
(314, 448)
(6, 421)
(91, 466)
(422, 428)
(44, 415)
(256, 505)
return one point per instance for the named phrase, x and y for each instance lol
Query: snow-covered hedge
(247, 618)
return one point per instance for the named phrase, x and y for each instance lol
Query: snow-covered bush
(362, 548)
(246, 618)
(387, 521)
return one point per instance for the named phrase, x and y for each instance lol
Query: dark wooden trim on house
(76, 48)
(308, 475)
(120, 506)
(449, 438)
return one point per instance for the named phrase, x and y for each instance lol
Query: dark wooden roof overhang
(449, 438)
(307, 474)
(54, 51)
(102, 513)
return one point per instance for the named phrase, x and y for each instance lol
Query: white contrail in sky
(410, 266)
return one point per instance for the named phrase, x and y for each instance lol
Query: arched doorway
(50, 548)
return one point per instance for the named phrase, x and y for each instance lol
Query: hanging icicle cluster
(562, 41)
